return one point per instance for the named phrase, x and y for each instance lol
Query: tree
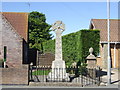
(39, 30)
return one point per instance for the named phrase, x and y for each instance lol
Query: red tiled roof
(19, 21)
(101, 24)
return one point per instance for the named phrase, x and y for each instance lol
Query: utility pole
(108, 29)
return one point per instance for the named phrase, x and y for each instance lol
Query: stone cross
(58, 27)
(58, 72)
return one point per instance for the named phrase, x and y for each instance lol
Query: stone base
(57, 80)
(58, 73)
(58, 77)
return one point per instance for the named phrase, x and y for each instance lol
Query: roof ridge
(105, 19)
(15, 12)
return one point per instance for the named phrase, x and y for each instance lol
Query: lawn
(41, 72)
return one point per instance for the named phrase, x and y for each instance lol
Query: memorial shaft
(58, 45)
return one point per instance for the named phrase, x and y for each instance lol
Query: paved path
(115, 80)
(108, 86)
(114, 77)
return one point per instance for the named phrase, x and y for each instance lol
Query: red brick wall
(14, 44)
(99, 61)
(15, 75)
(118, 61)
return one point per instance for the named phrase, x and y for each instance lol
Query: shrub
(76, 46)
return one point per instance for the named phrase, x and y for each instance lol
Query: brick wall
(112, 56)
(102, 61)
(15, 75)
(0, 35)
(118, 48)
(99, 58)
(14, 44)
(99, 61)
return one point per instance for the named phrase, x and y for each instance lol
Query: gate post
(91, 61)
(31, 78)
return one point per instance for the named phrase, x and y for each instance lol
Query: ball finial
(91, 51)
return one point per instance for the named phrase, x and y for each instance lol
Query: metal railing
(84, 76)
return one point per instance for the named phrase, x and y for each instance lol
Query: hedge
(76, 45)
(49, 46)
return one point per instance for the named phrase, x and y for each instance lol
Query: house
(101, 24)
(14, 36)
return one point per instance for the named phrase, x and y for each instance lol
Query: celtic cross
(58, 27)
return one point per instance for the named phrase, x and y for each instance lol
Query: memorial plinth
(58, 72)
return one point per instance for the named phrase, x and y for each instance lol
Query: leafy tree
(39, 30)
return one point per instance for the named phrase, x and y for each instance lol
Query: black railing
(75, 75)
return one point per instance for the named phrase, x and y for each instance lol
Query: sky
(75, 15)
